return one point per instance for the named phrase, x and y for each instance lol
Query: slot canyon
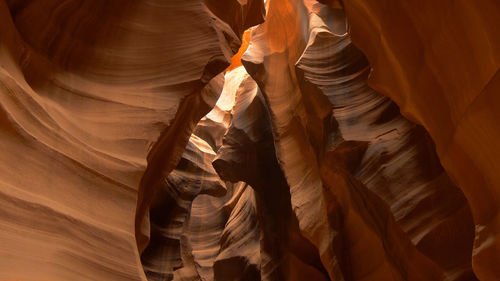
(250, 140)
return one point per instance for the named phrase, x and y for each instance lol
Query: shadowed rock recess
(228, 140)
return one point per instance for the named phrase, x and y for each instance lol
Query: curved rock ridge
(139, 143)
(305, 68)
(399, 162)
(248, 155)
(170, 255)
(171, 209)
(236, 227)
(90, 90)
(440, 63)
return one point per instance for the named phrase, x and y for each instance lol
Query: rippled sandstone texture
(88, 90)
(305, 168)
(350, 158)
(440, 62)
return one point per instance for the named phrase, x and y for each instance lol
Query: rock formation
(331, 140)
(431, 59)
(88, 90)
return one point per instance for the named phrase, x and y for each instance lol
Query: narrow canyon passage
(249, 140)
(227, 212)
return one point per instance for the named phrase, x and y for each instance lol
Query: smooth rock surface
(89, 89)
(440, 61)
(191, 140)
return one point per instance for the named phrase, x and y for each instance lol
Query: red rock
(159, 140)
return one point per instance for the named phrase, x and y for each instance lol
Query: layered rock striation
(440, 63)
(97, 97)
(156, 140)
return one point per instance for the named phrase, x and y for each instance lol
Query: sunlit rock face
(159, 140)
(364, 180)
(96, 98)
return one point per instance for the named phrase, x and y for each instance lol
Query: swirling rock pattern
(139, 143)
(172, 207)
(303, 69)
(432, 60)
(90, 90)
(284, 253)
(399, 163)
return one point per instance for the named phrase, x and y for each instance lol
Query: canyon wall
(440, 61)
(88, 90)
(336, 140)
(353, 148)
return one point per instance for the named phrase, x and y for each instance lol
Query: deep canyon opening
(226, 213)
